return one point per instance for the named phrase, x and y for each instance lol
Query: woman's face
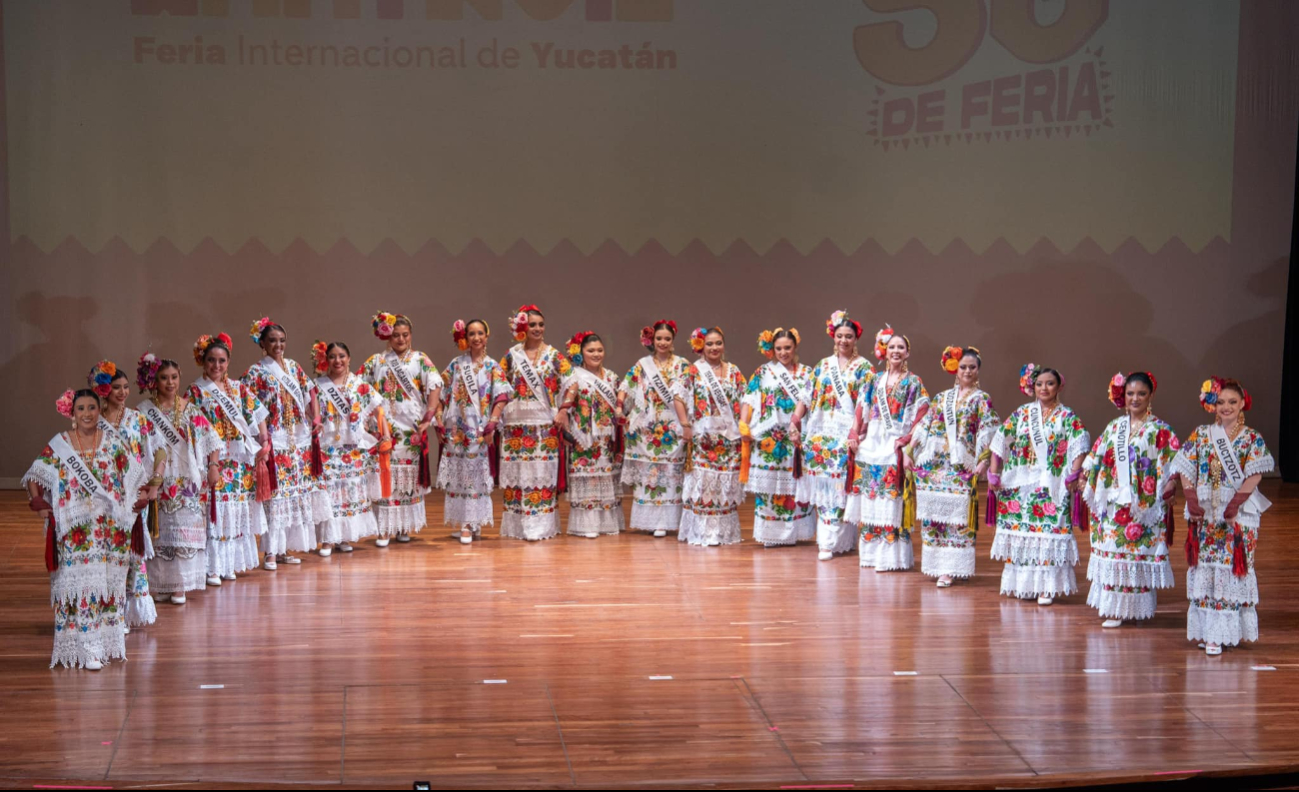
(1047, 387)
(663, 342)
(168, 382)
(1137, 398)
(845, 341)
(593, 355)
(400, 340)
(339, 361)
(968, 372)
(121, 388)
(215, 363)
(785, 351)
(476, 335)
(85, 412)
(714, 347)
(536, 327)
(897, 351)
(1229, 406)
(273, 342)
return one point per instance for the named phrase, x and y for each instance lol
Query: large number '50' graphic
(962, 26)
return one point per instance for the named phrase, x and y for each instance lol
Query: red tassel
(1169, 525)
(798, 462)
(271, 470)
(51, 541)
(137, 536)
(425, 475)
(990, 517)
(1192, 544)
(561, 483)
(1238, 566)
(265, 487)
(619, 442)
(850, 473)
(494, 459)
(317, 458)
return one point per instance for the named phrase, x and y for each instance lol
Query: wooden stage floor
(630, 661)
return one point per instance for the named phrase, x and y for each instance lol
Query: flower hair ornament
(1211, 392)
(647, 332)
(258, 328)
(320, 356)
(383, 323)
(575, 346)
(699, 335)
(64, 403)
(100, 379)
(1027, 375)
(1118, 388)
(205, 342)
(839, 318)
(882, 339)
(767, 344)
(952, 359)
(519, 321)
(146, 372)
(460, 334)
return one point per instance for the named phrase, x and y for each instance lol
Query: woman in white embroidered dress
(1127, 485)
(87, 489)
(411, 388)
(773, 454)
(192, 450)
(531, 452)
(348, 406)
(1037, 458)
(239, 419)
(654, 460)
(1220, 466)
(950, 449)
(708, 406)
(839, 382)
(299, 504)
(470, 456)
(886, 416)
(589, 412)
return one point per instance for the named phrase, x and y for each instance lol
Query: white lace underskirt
(707, 529)
(140, 610)
(73, 648)
(884, 555)
(348, 529)
(393, 520)
(824, 492)
(599, 520)
(177, 575)
(1123, 573)
(713, 486)
(227, 557)
(1126, 605)
(530, 527)
(656, 517)
(238, 518)
(1037, 580)
(879, 512)
(467, 511)
(784, 532)
(1216, 582)
(465, 475)
(957, 562)
(291, 521)
(835, 537)
(948, 508)
(1035, 548)
(1225, 627)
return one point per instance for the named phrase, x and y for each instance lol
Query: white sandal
(466, 538)
(178, 599)
(945, 582)
(381, 542)
(660, 533)
(1110, 624)
(1045, 600)
(214, 580)
(288, 559)
(325, 552)
(269, 564)
(824, 555)
(1213, 650)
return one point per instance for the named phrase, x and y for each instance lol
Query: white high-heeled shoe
(824, 555)
(1045, 600)
(660, 533)
(1110, 624)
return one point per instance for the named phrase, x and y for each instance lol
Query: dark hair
(261, 339)
(473, 322)
(665, 326)
(121, 374)
(1059, 380)
(338, 344)
(1142, 377)
(535, 312)
(1231, 384)
(716, 330)
(783, 334)
(591, 337)
(974, 353)
(216, 345)
(166, 363)
(401, 321)
(84, 393)
(855, 327)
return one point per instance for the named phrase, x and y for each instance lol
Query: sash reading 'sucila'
(465, 369)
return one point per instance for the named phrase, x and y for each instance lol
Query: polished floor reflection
(628, 660)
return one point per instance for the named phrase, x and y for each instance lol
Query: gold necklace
(76, 437)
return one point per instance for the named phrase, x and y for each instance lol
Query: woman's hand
(214, 475)
(688, 432)
(151, 492)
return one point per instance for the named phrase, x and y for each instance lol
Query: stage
(633, 661)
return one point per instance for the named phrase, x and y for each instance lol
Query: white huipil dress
(712, 492)
(779, 517)
(404, 381)
(133, 429)
(465, 472)
(1034, 509)
(594, 496)
(875, 503)
(826, 426)
(655, 457)
(232, 537)
(530, 444)
(179, 562)
(351, 470)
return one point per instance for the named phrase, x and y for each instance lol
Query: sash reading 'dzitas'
(335, 397)
(80, 470)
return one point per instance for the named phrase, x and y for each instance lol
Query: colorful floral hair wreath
(205, 342)
(767, 341)
(697, 338)
(64, 403)
(838, 318)
(647, 332)
(383, 324)
(1028, 377)
(575, 346)
(100, 378)
(258, 328)
(146, 372)
(320, 356)
(519, 321)
(1117, 391)
(882, 339)
(1211, 391)
(952, 359)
